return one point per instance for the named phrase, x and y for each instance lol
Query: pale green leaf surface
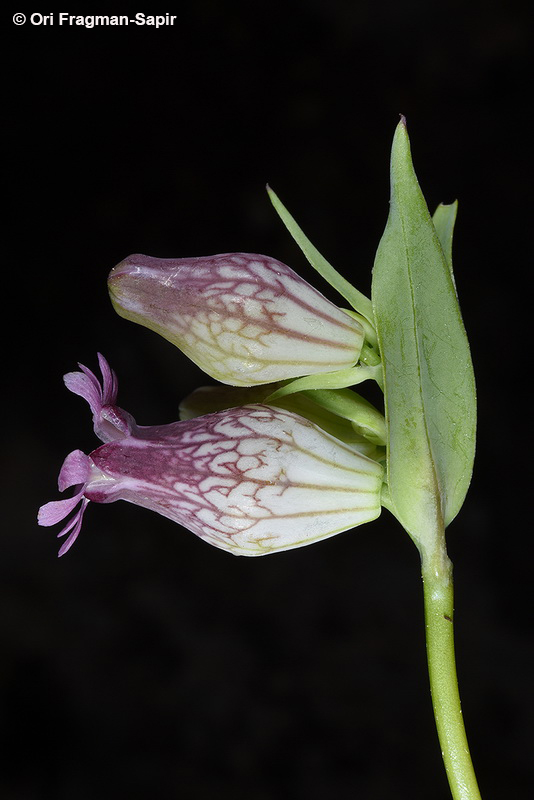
(429, 384)
(444, 219)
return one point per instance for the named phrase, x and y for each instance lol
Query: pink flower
(250, 480)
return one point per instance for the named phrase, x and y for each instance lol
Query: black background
(146, 663)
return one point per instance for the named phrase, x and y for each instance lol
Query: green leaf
(429, 385)
(444, 219)
(339, 379)
(358, 301)
(345, 403)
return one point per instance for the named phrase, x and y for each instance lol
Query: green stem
(438, 594)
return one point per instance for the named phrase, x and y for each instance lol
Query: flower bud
(244, 319)
(250, 480)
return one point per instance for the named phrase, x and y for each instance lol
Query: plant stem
(438, 594)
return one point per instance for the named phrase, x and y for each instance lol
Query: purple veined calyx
(251, 480)
(245, 319)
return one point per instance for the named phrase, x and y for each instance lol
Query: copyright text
(94, 21)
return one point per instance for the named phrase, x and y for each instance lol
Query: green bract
(429, 386)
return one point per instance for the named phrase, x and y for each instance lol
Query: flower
(244, 319)
(251, 480)
(207, 399)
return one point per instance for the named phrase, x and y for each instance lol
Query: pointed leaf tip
(429, 383)
(358, 301)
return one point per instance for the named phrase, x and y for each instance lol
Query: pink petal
(76, 525)
(85, 385)
(109, 382)
(75, 470)
(53, 512)
(109, 421)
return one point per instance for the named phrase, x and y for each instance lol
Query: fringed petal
(53, 512)
(86, 385)
(109, 382)
(75, 470)
(110, 422)
(74, 525)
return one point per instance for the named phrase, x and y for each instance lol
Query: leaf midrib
(435, 479)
